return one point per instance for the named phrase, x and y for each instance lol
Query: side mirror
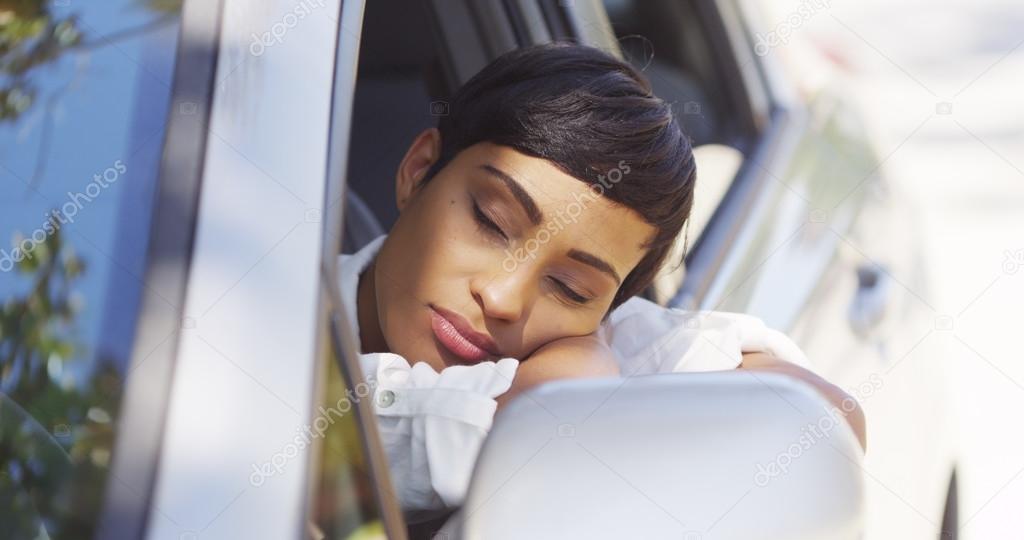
(697, 456)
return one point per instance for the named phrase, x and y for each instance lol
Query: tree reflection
(32, 34)
(57, 404)
(59, 396)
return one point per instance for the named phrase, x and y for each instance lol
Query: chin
(429, 351)
(443, 357)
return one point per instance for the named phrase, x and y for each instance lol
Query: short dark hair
(585, 111)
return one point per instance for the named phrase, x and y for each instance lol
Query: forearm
(845, 403)
(590, 356)
(566, 358)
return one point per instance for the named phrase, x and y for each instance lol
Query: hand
(565, 358)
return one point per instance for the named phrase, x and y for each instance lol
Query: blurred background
(940, 86)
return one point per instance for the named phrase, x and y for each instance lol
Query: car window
(84, 97)
(676, 46)
(670, 43)
(399, 93)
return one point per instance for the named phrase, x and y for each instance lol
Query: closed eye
(486, 222)
(568, 293)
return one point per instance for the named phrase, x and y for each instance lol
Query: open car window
(350, 493)
(678, 47)
(399, 92)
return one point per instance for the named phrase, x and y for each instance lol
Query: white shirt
(433, 424)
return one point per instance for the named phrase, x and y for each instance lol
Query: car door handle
(871, 300)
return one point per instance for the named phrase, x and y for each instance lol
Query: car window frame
(731, 228)
(335, 330)
(146, 396)
(233, 98)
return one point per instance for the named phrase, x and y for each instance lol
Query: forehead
(575, 214)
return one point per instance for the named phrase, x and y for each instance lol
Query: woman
(548, 197)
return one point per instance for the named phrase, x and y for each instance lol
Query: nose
(502, 295)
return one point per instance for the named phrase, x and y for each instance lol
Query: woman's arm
(590, 356)
(566, 358)
(839, 399)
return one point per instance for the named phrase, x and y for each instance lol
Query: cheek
(422, 234)
(433, 250)
(548, 322)
(447, 243)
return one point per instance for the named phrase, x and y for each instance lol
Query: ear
(422, 153)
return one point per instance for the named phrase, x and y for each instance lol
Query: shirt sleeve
(649, 338)
(432, 424)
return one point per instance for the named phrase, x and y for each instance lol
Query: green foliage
(30, 36)
(56, 434)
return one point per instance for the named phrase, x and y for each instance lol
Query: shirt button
(385, 398)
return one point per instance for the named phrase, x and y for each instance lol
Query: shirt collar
(349, 268)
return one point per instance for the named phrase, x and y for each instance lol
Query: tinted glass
(84, 98)
(345, 503)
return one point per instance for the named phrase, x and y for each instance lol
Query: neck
(370, 335)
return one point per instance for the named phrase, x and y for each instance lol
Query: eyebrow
(536, 217)
(596, 262)
(524, 198)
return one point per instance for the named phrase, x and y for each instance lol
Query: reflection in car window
(344, 503)
(84, 97)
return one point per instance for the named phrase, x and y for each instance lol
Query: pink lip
(456, 335)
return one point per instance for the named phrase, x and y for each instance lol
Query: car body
(176, 387)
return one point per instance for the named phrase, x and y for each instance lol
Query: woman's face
(497, 255)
